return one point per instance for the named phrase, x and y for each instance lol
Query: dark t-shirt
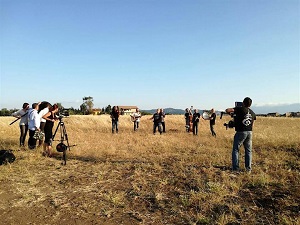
(187, 117)
(196, 117)
(157, 118)
(243, 119)
(213, 121)
(115, 115)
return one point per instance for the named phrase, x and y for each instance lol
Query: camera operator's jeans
(242, 138)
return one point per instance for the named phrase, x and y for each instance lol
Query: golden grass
(141, 178)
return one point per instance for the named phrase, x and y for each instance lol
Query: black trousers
(157, 125)
(213, 133)
(195, 128)
(31, 140)
(163, 127)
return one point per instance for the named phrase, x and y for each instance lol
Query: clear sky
(149, 53)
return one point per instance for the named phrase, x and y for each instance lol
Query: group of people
(192, 119)
(158, 120)
(38, 121)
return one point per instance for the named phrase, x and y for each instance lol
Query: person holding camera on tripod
(50, 118)
(243, 121)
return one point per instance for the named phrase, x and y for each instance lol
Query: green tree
(87, 105)
(108, 109)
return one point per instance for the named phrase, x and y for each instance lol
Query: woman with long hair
(50, 118)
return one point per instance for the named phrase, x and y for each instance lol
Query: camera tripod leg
(63, 137)
(66, 136)
(64, 157)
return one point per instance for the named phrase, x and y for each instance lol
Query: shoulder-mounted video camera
(230, 123)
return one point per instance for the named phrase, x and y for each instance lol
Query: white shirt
(42, 113)
(136, 116)
(23, 119)
(33, 119)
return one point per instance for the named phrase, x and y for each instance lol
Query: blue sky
(149, 53)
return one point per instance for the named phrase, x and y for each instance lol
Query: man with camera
(243, 122)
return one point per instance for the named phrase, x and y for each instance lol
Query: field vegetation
(140, 178)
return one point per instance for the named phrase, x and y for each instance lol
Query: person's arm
(17, 114)
(47, 115)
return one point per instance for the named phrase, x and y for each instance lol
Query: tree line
(86, 108)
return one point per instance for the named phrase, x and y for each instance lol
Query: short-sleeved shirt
(196, 117)
(157, 118)
(243, 118)
(42, 113)
(23, 114)
(187, 116)
(213, 120)
(115, 115)
(136, 116)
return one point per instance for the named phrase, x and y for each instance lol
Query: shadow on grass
(223, 168)
(93, 159)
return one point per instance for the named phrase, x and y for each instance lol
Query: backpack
(6, 156)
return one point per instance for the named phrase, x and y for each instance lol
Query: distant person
(195, 120)
(157, 121)
(188, 120)
(243, 119)
(135, 118)
(212, 122)
(33, 125)
(43, 110)
(22, 114)
(50, 118)
(114, 115)
(163, 124)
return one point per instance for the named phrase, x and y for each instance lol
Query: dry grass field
(140, 178)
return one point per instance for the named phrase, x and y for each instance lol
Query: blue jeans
(136, 125)
(158, 125)
(114, 124)
(242, 138)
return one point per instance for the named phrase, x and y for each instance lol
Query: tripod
(61, 147)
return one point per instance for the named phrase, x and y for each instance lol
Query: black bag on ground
(6, 156)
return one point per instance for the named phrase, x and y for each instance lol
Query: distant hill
(265, 109)
(171, 111)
